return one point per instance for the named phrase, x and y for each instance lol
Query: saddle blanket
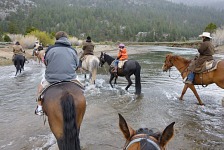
(211, 65)
(121, 63)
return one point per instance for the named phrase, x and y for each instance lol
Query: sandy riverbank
(6, 51)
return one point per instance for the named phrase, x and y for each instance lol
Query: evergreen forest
(114, 20)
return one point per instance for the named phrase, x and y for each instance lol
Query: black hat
(88, 39)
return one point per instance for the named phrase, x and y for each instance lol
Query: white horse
(90, 63)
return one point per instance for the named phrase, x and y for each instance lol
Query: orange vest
(123, 55)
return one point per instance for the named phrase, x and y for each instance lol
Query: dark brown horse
(19, 61)
(65, 105)
(143, 138)
(131, 67)
(215, 76)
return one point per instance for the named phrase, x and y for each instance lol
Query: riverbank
(6, 49)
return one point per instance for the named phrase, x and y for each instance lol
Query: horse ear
(125, 129)
(167, 135)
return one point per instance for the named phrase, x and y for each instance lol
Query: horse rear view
(143, 138)
(19, 61)
(65, 106)
(91, 64)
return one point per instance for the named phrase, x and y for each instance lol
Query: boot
(39, 110)
(115, 70)
(190, 78)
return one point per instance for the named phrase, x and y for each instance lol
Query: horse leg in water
(115, 80)
(183, 91)
(111, 79)
(191, 86)
(129, 81)
(93, 77)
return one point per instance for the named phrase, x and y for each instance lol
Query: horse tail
(137, 79)
(95, 64)
(70, 139)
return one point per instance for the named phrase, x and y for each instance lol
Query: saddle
(76, 82)
(120, 66)
(207, 66)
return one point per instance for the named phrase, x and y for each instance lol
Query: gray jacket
(61, 61)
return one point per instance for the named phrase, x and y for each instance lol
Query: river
(196, 127)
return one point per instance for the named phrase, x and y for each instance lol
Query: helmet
(121, 45)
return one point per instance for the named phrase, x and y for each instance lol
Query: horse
(143, 138)
(216, 76)
(130, 67)
(40, 55)
(65, 105)
(90, 63)
(19, 61)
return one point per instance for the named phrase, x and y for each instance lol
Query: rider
(40, 47)
(17, 50)
(206, 50)
(61, 62)
(35, 47)
(121, 56)
(88, 48)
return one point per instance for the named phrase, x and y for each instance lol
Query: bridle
(171, 64)
(141, 136)
(102, 60)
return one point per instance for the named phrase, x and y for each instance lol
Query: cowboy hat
(205, 34)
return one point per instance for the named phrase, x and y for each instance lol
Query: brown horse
(40, 55)
(65, 105)
(215, 76)
(143, 138)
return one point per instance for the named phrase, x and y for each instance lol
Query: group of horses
(65, 103)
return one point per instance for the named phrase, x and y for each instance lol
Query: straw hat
(205, 34)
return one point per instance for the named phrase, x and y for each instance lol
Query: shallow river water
(197, 127)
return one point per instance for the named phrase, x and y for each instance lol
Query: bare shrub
(218, 37)
(74, 41)
(15, 37)
(28, 41)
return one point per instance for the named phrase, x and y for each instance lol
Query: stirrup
(188, 82)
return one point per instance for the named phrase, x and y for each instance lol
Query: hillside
(215, 4)
(113, 20)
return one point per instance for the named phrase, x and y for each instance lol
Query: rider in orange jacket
(122, 55)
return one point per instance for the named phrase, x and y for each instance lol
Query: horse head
(136, 139)
(102, 59)
(168, 62)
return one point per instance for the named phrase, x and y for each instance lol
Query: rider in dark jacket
(206, 52)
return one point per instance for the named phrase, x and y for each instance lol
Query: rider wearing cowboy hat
(206, 50)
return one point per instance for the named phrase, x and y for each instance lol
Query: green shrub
(44, 37)
(6, 38)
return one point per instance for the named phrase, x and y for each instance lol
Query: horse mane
(176, 57)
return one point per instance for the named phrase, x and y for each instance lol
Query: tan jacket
(17, 49)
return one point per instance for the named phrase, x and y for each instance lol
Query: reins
(185, 70)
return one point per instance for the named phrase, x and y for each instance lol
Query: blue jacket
(61, 61)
